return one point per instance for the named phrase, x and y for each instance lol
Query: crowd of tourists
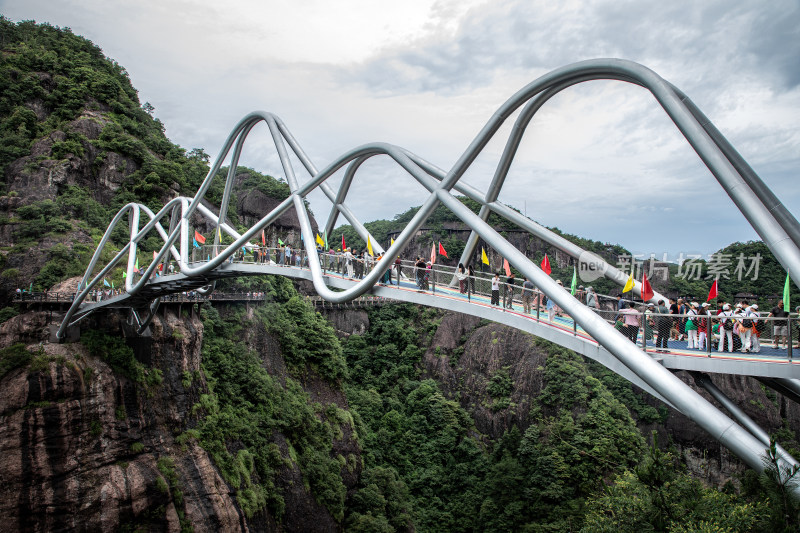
(722, 327)
(725, 327)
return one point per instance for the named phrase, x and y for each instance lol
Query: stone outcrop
(80, 444)
(83, 447)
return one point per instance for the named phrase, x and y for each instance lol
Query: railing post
(538, 303)
(789, 336)
(709, 332)
(643, 330)
(433, 280)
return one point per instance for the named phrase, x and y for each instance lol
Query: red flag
(263, 238)
(433, 253)
(647, 290)
(343, 246)
(713, 292)
(546, 265)
(441, 250)
(507, 267)
(199, 238)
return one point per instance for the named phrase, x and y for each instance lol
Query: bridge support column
(71, 334)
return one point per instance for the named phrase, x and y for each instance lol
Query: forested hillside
(425, 461)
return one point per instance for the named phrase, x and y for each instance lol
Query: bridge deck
(769, 363)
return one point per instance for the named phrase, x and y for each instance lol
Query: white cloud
(600, 160)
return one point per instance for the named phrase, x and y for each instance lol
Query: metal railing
(428, 278)
(99, 296)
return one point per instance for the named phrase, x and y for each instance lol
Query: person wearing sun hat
(746, 328)
(726, 328)
(758, 326)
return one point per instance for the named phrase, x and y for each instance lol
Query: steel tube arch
(763, 214)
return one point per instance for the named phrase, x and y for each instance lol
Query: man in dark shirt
(663, 324)
(779, 329)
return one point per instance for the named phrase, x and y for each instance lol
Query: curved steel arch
(773, 223)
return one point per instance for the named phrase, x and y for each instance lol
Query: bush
(13, 357)
(7, 313)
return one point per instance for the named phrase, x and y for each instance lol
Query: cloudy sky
(600, 160)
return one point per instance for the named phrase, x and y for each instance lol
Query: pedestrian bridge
(585, 331)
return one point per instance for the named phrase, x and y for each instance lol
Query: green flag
(786, 298)
(280, 242)
(574, 279)
(32, 289)
(325, 238)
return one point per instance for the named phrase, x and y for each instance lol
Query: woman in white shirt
(461, 275)
(496, 289)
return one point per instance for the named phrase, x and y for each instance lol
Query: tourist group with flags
(711, 325)
(651, 318)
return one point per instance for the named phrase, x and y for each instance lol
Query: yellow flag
(628, 284)
(392, 243)
(220, 233)
(484, 258)
(369, 247)
(320, 241)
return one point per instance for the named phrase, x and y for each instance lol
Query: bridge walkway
(769, 363)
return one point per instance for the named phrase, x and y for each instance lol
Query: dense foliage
(246, 408)
(437, 474)
(61, 75)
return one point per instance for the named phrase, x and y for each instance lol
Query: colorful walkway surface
(768, 353)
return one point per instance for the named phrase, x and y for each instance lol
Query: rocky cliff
(83, 447)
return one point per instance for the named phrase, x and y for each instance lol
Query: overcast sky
(600, 160)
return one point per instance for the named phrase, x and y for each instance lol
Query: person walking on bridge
(527, 294)
(702, 326)
(631, 322)
(461, 275)
(496, 289)
(508, 296)
(779, 329)
(726, 328)
(591, 299)
(691, 327)
(419, 272)
(348, 261)
(746, 328)
(663, 325)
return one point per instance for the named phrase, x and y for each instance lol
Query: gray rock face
(80, 444)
